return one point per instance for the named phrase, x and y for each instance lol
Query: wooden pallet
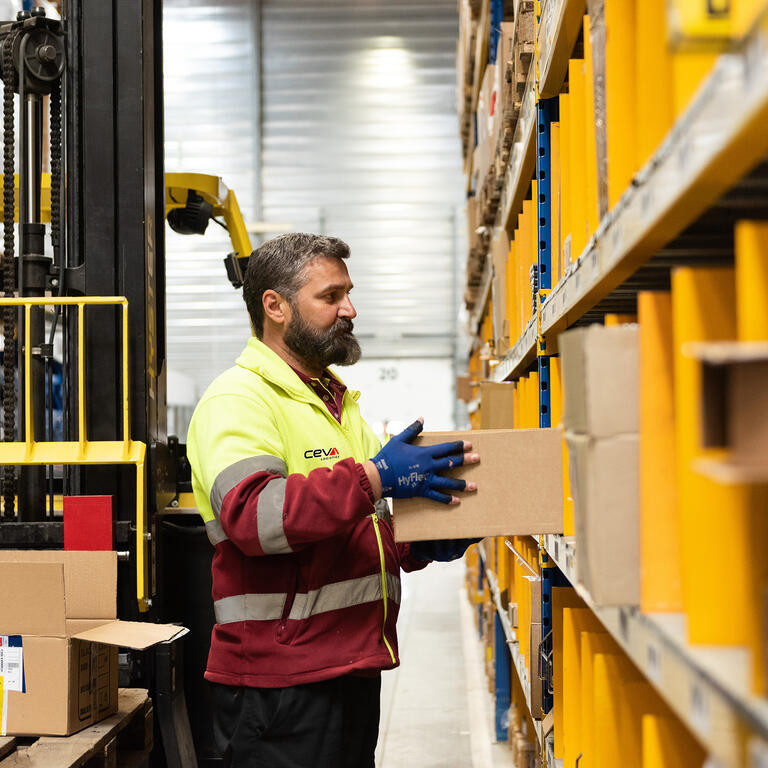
(524, 46)
(489, 196)
(123, 740)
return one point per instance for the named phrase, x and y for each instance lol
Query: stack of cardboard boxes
(59, 640)
(600, 377)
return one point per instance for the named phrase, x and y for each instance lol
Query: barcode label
(700, 712)
(12, 663)
(653, 666)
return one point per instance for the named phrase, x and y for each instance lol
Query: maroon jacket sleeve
(407, 562)
(266, 514)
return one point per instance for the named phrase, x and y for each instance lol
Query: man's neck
(278, 347)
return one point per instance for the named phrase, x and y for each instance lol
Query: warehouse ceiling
(358, 140)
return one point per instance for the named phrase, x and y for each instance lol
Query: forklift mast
(115, 239)
(99, 304)
(100, 70)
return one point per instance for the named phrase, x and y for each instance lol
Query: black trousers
(332, 724)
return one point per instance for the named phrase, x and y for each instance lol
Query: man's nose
(347, 308)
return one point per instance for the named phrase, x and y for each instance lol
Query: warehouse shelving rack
(506, 633)
(699, 684)
(707, 155)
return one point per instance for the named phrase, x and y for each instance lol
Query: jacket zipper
(383, 585)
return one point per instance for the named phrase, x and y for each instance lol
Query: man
(290, 480)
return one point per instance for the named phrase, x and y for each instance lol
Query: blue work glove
(443, 550)
(411, 470)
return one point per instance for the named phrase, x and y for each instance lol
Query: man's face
(320, 327)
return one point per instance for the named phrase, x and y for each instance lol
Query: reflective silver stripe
(331, 597)
(269, 518)
(215, 532)
(235, 473)
(267, 607)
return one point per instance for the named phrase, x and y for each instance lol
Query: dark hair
(279, 265)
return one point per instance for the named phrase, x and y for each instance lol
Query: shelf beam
(720, 138)
(520, 357)
(559, 27)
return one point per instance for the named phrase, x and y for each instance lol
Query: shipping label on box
(11, 663)
(520, 489)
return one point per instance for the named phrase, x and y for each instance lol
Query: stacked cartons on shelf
(600, 380)
(488, 111)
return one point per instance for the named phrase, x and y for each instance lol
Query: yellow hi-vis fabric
(266, 426)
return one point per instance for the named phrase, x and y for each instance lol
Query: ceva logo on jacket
(321, 453)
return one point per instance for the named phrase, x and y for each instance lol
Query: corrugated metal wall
(359, 141)
(211, 110)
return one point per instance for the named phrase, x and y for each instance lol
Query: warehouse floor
(436, 708)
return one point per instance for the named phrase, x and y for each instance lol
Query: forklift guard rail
(84, 451)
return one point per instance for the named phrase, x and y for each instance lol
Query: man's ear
(275, 307)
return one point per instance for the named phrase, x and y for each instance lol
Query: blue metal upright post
(546, 113)
(548, 575)
(503, 680)
(545, 417)
(497, 16)
(480, 588)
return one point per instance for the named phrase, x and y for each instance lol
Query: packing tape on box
(11, 674)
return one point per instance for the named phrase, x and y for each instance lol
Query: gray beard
(320, 348)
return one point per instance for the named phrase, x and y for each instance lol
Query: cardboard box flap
(131, 634)
(90, 579)
(75, 626)
(32, 599)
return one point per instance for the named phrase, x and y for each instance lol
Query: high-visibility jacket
(306, 582)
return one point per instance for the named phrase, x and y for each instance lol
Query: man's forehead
(327, 270)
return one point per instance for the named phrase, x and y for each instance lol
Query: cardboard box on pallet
(481, 164)
(60, 637)
(520, 489)
(497, 402)
(600, 380)
(499, 255)
(464, 388)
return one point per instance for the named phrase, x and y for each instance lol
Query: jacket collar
(265, 362)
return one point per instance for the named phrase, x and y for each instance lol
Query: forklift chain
(55, 132)
(9, 269)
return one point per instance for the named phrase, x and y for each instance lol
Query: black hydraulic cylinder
(33, 275)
